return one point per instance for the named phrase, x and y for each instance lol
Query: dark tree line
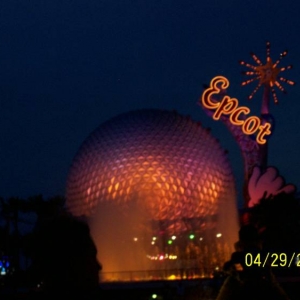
(14, 214)
(278, 221)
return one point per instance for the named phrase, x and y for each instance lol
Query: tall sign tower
(252, 132)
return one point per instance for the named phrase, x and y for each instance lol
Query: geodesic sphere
(168, 164)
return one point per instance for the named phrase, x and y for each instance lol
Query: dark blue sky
(67, 66)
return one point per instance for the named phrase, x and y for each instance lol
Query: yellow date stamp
(274, 260)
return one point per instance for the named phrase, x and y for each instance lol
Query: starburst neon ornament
(267, 74)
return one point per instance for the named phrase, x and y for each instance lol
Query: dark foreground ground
(204, 289)
(193, 289)
(178, 289)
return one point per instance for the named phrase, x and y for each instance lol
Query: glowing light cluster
(4, 266)
(162, 257)
(167, 163)
(267, 74)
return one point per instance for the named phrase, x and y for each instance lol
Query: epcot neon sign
(229, 106)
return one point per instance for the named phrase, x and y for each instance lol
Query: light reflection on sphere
(172, 165)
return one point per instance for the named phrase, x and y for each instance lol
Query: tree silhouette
(13, 213)
(278, 220)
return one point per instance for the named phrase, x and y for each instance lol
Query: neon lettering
(234, 116)
(251, 125)
(214, 88)
(226, 106)
(229, 106)
(263, 130)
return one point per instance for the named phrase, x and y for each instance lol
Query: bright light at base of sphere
(158, 176)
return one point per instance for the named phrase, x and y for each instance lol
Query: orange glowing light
(229, 106)
(267, 74)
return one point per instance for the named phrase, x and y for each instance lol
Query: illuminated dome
(165, 165)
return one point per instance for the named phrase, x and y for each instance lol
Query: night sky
(66, 66)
